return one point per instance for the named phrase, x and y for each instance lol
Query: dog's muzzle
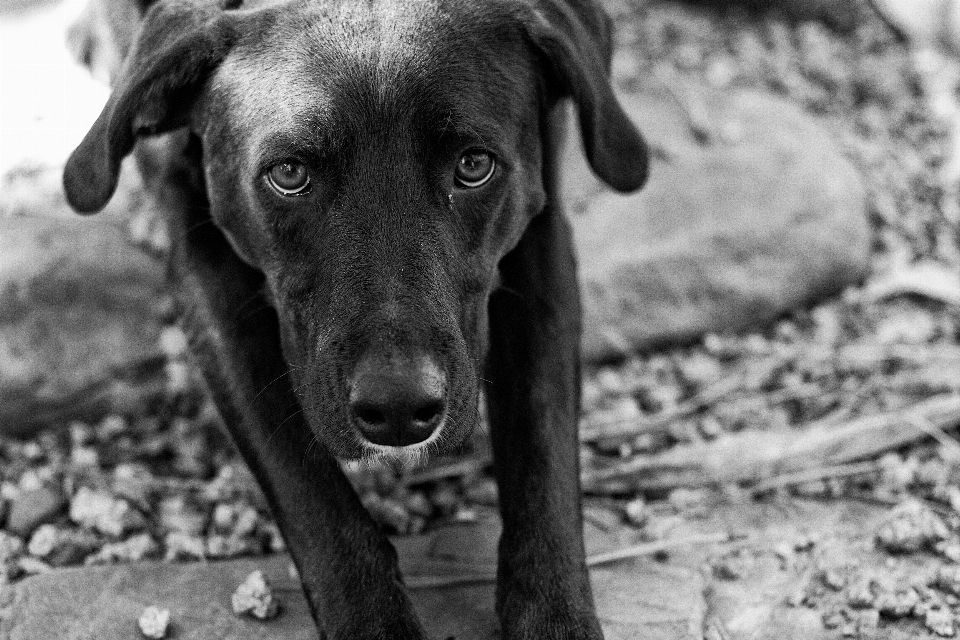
(398, 400)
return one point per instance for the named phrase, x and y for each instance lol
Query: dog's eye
(474, 168)
(289, 178)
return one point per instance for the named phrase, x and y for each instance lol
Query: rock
(766, 216)
(102, 512)
(133, 549)
(254, 597)
(154, 623)
(34, 507)
(61, 546)
(634, 599)
(80, 310)
(182, 514)
(910, 527)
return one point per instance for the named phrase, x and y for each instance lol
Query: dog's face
(399, 164)
(375, 160)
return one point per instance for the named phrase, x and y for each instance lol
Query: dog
(362, 197)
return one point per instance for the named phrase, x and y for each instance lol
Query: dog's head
(375, 160)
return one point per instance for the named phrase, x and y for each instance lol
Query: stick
(755, 456)
(487, 576)
(810, 475)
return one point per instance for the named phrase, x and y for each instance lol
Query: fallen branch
(489, 575)
(852, 357)
(756, 456)
(812, 475)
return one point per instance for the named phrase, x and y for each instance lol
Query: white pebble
(255, 598)
(154, 623)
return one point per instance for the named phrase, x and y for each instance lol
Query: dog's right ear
(179, 43)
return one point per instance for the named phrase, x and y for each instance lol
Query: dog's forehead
(308, 58)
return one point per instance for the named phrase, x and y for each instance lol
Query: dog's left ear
(576, 39)
(179, 43)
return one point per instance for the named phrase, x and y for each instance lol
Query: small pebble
(154, 623)
(85, 457)
(635, 512)
(135, 483)
(111, 427)
(183, 546)
(183, 515)
(465, 515)
(860, 594)
(255, 598)
(34, 507)
(105, 513)
(897, 604)
(940, 621)
(834, 579)
(417, 504)
(33, 566)
(445, 497)
(948, 579)
(911, 526)
(949, 549)
(10, 546)
(60, 546)
(133, 549)
(727, 569)
(231, 546)
(275, 541)
(247, 521)
(833, 618)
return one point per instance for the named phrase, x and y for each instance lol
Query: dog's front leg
(348, 568)
(543, 588)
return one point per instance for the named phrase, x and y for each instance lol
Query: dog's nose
(398, 401)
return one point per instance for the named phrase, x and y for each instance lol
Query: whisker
(292, 415)
(267, 386)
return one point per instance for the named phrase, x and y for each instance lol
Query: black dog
(360, 192)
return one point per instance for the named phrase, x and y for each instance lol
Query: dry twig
(752, 456)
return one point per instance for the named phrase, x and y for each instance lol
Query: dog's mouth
(406, 457)
(446, 438)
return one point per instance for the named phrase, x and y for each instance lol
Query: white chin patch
(400, 458)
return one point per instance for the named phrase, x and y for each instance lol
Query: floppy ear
(179, 43)
(575, 37)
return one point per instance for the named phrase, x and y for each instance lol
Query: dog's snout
(398, 401)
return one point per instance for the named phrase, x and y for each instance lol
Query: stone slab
(79, 320)
(640, 599)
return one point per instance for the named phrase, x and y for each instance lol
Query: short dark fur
(384, 261)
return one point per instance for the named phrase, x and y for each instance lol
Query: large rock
(839, 14)
(641, 599)
(80, 309)
(751, 210)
